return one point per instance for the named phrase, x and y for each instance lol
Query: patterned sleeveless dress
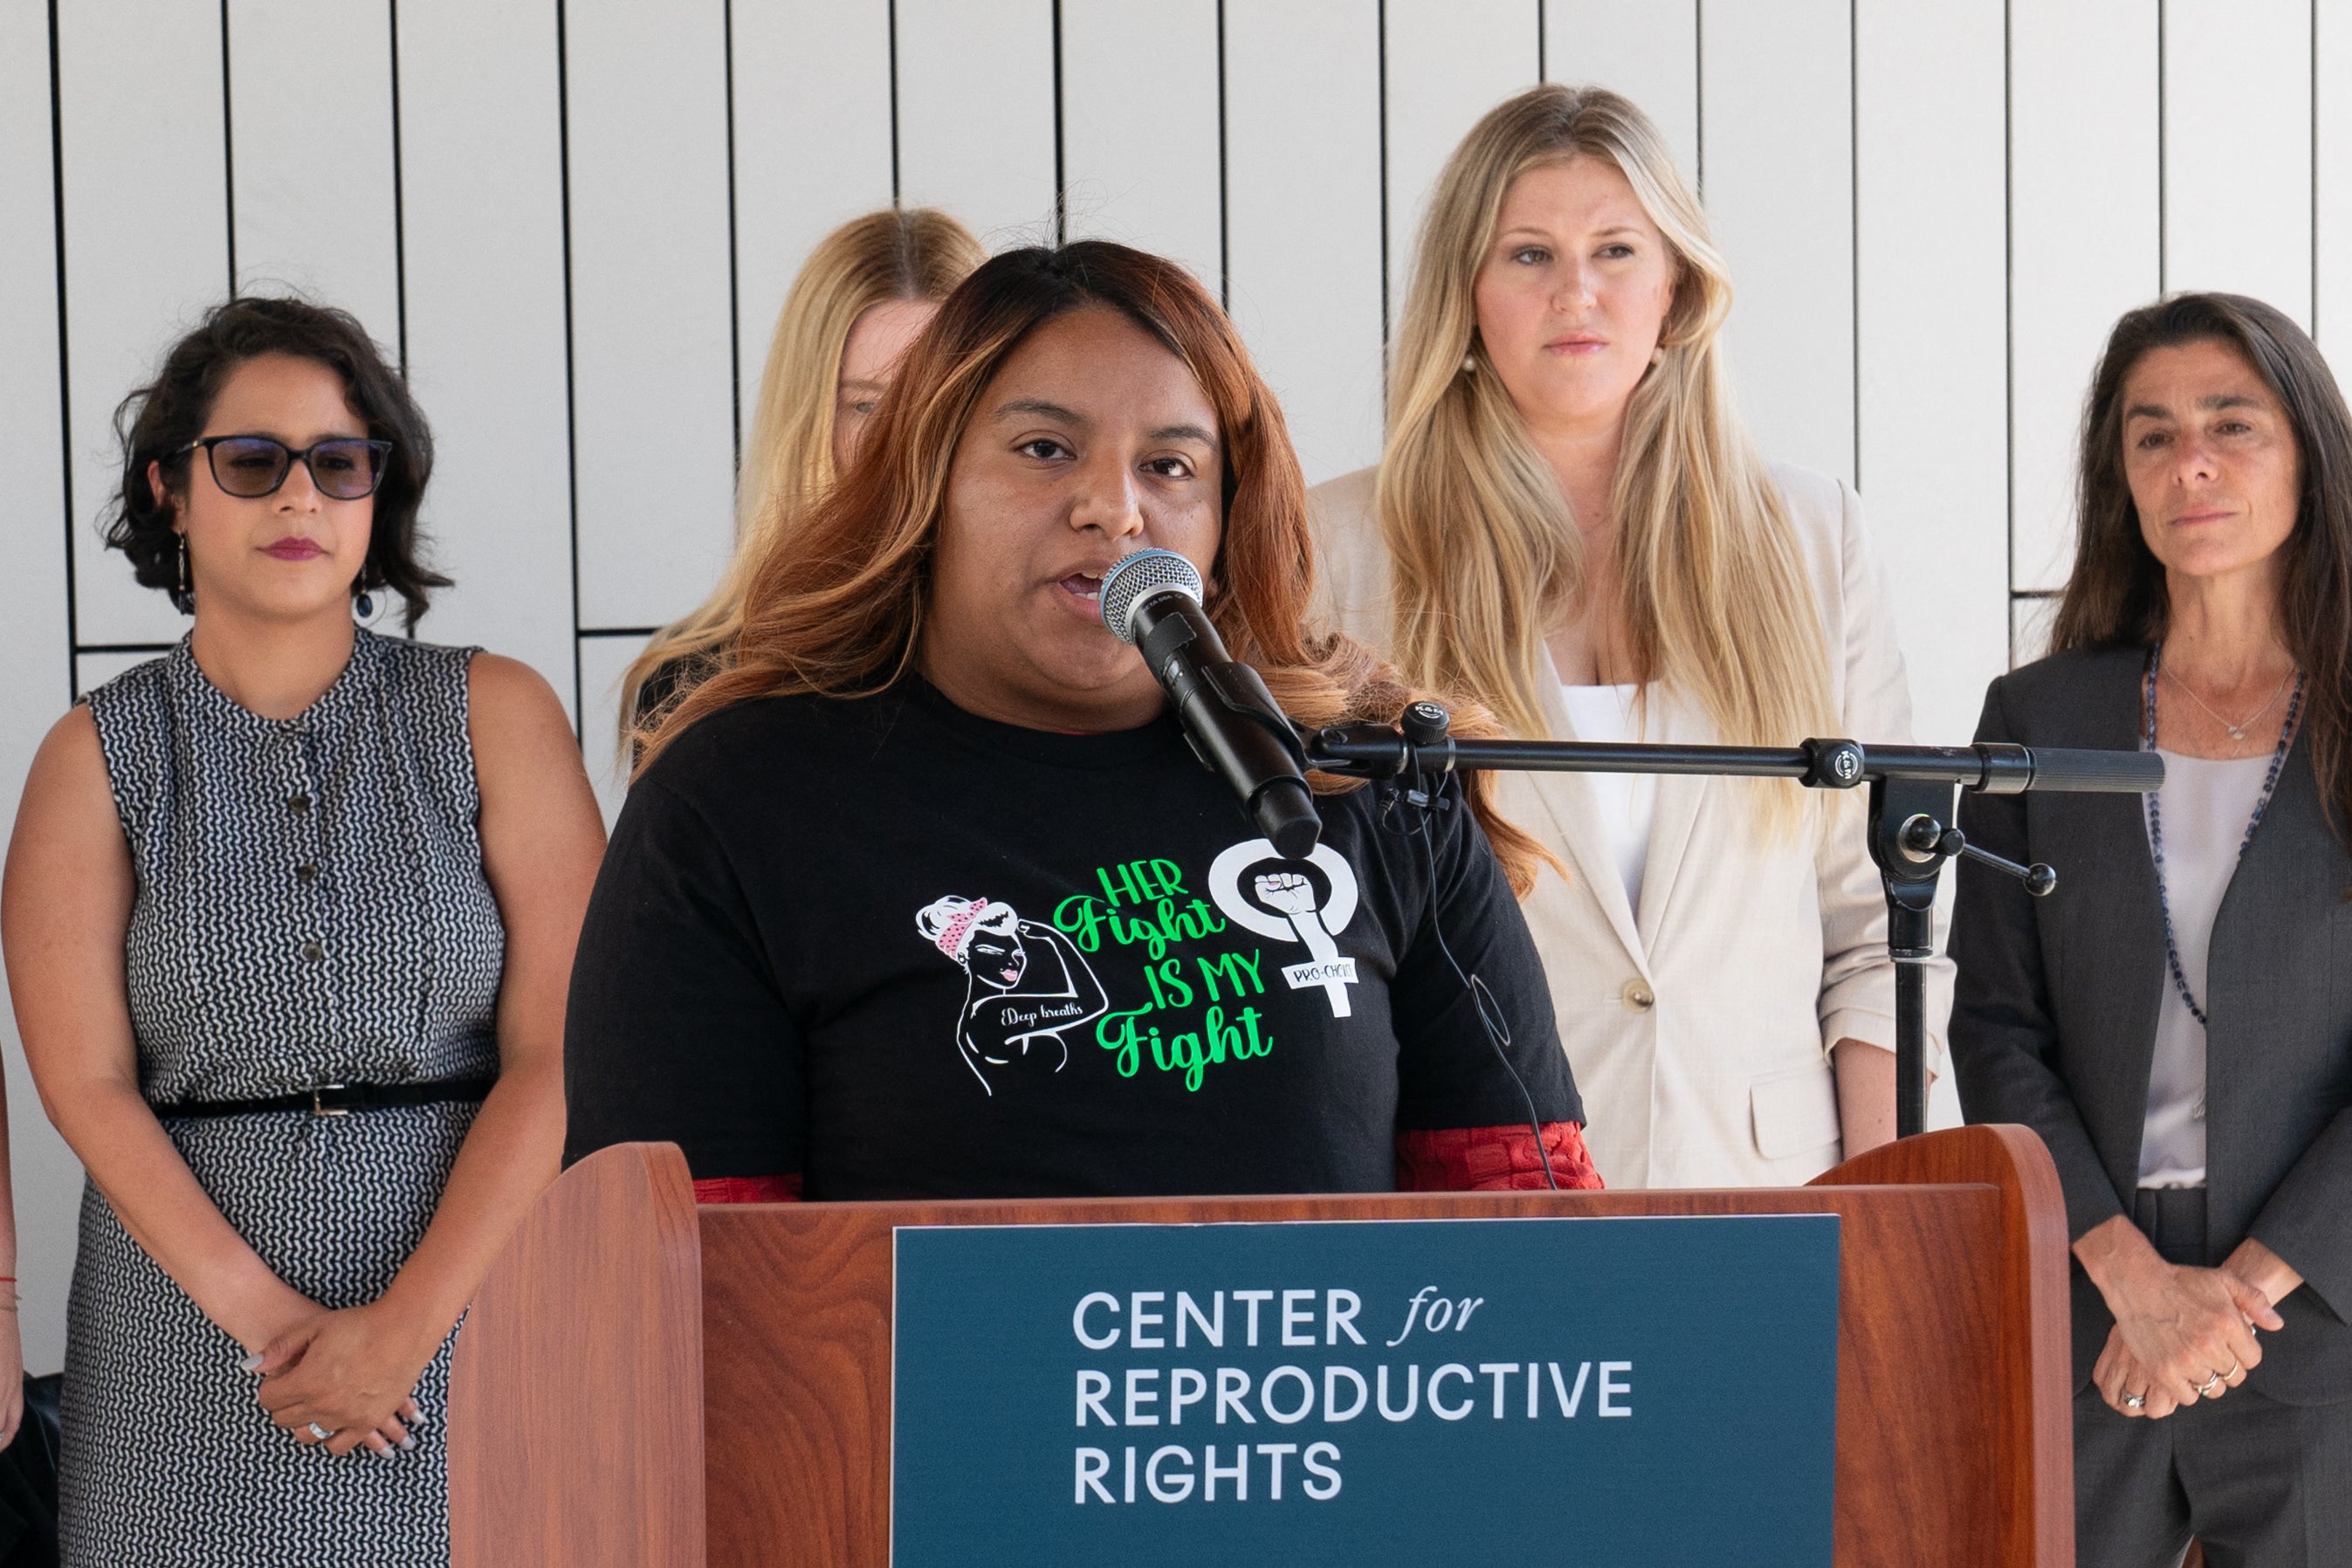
(311, 909)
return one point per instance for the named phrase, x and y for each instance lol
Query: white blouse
(1629, 802)
(2206, 802)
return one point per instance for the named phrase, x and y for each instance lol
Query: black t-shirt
(912, 952)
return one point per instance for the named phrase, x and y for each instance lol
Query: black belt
(339, 1098)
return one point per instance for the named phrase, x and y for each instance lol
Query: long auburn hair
(1484, 552)
(910, 253)
(839, 609)
(2115, 596)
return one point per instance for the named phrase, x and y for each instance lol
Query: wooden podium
(643, 1382)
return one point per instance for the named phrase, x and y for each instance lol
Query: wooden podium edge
(601, 1462)
(2036, 1463)
(578, 1404)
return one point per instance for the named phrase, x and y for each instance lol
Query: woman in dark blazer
(2175, 1019)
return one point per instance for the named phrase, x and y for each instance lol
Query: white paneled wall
(574, 221)
(143, 165)
(979, 122)
(2086, 242)
(1930, 363)
(1649, 52)
(329, 229)
(814, 143)
(1778, 147)
(488, 315)
(1143, 151)
(2237, 149)
(35, 613)
(652, 275)
(1304, 267)
(1448, 61)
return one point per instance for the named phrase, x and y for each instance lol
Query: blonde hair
(1486, 552)
(917, 252)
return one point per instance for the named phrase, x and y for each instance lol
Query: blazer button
(308, 872)
(313, 954)
(298, 804)
(1638, 995)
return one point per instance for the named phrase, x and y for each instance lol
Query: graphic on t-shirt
(1196, 1008)
(1307, 901)
(1025, 983)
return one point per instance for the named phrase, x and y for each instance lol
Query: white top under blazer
(1700, 1029)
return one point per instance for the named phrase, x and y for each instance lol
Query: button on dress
(310, 907)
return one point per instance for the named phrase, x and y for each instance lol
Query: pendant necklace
(2237, 731)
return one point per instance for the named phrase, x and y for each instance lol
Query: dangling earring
(184, 593)
(364, 605)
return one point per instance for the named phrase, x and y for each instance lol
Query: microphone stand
(1913, 793)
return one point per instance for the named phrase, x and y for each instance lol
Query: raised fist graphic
(1287, 891)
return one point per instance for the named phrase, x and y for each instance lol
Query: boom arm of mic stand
(1911, 792)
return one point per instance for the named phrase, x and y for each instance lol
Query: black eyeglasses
(344, 467)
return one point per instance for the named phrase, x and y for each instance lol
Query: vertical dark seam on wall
(1698, 89)
(2314, 171)
(399, 200)
(1543, 45)
(65, 366)
(571, 400)
(1384, 42)
(1224, 180)
(894, 102)
(1854, 209)
(2009, 302)
(2163, 213)
(1061, 190)
(734, 282)
(228, 151)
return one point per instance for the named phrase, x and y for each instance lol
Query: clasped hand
(2178, 1330)
(351, 1373)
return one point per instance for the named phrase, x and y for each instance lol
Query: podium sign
(1629, 1391)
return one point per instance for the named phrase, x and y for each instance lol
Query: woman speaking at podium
(926, 896)
(2176, 1020)
(1570, 525)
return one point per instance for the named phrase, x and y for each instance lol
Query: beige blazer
(1699, 1029)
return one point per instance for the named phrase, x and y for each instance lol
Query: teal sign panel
(1633, 1392)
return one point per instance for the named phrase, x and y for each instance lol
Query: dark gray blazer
(2053, 1024)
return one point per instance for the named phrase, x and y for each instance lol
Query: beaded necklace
(2156, 811)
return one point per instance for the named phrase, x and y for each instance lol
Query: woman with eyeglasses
(288, 917)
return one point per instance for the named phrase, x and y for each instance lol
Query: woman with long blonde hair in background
(1570, 524)
(863, 294)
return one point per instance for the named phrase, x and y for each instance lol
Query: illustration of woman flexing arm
(1006, 1006)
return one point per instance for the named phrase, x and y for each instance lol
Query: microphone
(1151, 600)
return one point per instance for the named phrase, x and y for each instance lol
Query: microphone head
(1145, 574)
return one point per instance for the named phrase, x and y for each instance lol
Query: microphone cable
(1427, 802)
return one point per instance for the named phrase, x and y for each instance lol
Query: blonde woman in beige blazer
(1568, 511)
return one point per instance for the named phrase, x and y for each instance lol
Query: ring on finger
(2207, 1389)
(2135, 1401)
(318, 1432)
